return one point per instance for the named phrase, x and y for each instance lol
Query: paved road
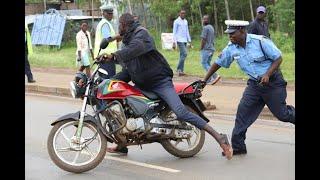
(271, 152)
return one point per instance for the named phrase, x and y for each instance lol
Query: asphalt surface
(271, 151)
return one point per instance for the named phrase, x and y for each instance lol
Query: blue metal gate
(48, 28)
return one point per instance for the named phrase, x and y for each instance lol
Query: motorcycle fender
(74, 116)
(198, 106)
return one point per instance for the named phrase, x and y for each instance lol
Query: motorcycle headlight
(73, 89)
(76, 90)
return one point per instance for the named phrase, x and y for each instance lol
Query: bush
(283, 41)
(221, 42)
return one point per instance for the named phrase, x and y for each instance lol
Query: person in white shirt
(84, 48)
(181, 37)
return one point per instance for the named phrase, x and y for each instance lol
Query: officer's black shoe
(120, 151)
(238, 152)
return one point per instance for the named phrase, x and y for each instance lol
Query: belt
(271, 78)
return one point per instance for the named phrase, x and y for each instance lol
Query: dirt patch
(176, 78)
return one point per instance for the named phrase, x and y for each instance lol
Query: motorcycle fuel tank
(115, 89)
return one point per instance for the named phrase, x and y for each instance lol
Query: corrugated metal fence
(48, 28)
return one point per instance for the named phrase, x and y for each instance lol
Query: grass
(65, 58)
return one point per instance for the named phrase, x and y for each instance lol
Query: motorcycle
(124, 115)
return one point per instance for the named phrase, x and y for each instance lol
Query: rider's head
(125, 21)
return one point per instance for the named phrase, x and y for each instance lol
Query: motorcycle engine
(178, 133)
(133, 124)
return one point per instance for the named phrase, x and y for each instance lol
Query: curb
(48, 90)
(65, 92)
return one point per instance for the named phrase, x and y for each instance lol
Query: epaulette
(259, 37)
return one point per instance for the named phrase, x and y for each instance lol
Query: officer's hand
(118, 37)
(174, 45)
(202, 83)
(264, 79)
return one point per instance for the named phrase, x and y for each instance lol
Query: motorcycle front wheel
(76, 157)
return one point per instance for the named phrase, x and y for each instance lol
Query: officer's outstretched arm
(212, 70)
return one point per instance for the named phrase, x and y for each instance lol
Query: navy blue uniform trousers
(254, 98)
(27, 70)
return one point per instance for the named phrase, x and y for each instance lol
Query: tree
(227, 8)
(215, 16)
(251, 10)
(144, 14)
(129, 5)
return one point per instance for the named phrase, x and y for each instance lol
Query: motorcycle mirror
(105, 42)
(103, 71)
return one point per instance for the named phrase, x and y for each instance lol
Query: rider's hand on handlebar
(104, 57)
(202, 83)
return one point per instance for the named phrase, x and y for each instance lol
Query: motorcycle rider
(148, 69)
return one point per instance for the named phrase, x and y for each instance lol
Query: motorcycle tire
(170, 148)
(70, 168)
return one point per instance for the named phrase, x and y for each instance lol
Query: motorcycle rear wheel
(66, 156)
(171, 146)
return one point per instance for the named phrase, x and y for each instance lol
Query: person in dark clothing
(259, 26)
(149, 70)
(28, 46)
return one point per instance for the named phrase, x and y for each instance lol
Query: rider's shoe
(115, 150)
(238, 152)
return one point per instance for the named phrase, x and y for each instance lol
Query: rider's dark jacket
(141, 62)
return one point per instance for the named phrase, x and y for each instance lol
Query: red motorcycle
(124, 115)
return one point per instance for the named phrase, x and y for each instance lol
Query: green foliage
(283, 41)
(283, 16)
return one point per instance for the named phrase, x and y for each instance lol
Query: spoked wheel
(75, 157)
(184, 147)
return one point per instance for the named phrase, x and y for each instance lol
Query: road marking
(264, 122)
(270, 141)
(143, 164)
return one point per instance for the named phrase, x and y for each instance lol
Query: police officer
(260, 59)
(28, 51)
(106, 30)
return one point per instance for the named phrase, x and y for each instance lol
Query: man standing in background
(259, 26)
(28, 51)
(181, 36)
(207, 48)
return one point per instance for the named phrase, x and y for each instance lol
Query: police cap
(233, 25)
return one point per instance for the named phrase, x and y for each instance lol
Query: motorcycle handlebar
(196, 85)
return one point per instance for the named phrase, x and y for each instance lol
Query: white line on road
(143, 164)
